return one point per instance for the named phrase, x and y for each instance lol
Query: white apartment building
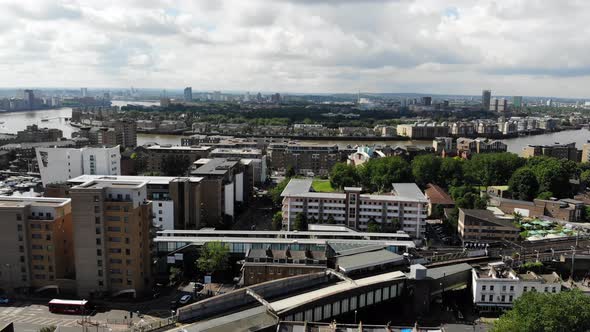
(406, 203)
(58, 165)
(496, 286)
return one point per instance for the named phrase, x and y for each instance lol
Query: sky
(513, 47)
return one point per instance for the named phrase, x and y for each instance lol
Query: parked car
(4, 300)
(185, 299)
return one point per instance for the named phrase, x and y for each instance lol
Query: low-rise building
(363, 154)
(35, 134)
(405, 205)
(423, 130)
(437, 198)
(253, 157)
(496, 286)
(560, 151)
(564, 209)
(586, 153)
(36, 245)
(305, 159)
(483, 226)
(479, 145)
(159, 156)
(444, 144)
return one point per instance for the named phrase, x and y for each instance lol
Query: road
(29, 317)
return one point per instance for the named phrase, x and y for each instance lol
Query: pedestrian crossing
(23, 312)
(41, 321)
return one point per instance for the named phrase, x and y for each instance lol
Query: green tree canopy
(547, 312)
(523, 184)
(373, 226)
(378, 174)
(426, 169)
(343, 175)
(490, 169)
(213, 257)
(275, 192)
(277, 221)
(300, 223)
(451, 172)
(552, 175)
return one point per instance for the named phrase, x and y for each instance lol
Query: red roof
(438, 195)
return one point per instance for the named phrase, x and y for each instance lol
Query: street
(31, 317)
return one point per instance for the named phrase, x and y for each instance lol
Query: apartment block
(483, 226)
(126, 133)
(480, 145)
(423, 130)
(496, 286)
(306, 159)
(405, 204)
(112, 221)
(57, 165)
(225, 186)
(586, 153)
(36, 247)
(176, 201)
(158, 155)
(563, 209)
(559, 151)
(254, 157)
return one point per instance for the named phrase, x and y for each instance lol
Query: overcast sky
(514, 47)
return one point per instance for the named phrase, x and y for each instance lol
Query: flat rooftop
(179, 147)
(215, 166)
(99, 184)
(150, 179)
(245, 151)
(13, 201)
(488, 216)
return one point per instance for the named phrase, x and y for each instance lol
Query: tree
(378, 174)
(175, 274)
(290, 172)
(277, 221)
(343, 175)
(426, 169)
(545, 312)
(517, 218)
(451, 172)
(489, 169)
(373, 226)
(275, 192)
(300, 223)
(585, 176)
(50, 328)
(213, 257)
(331, 220)
(552, 175)
(523, 184)
(545, 195)
(312, 220)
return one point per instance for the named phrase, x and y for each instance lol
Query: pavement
(29, 317)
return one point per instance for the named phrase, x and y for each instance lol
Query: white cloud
(529, 47)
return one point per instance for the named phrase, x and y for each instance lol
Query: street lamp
(355, 317)
(573, 260)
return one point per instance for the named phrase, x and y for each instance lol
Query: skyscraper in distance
(517, 101)
(188, 94)
(84, 92)
(486, 97)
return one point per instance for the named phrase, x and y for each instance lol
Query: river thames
(55, 118)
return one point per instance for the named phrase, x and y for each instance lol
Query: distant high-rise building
(549, 102)
(426, 101)
(216, 96)
(275, 98)
(259, 97)
(188, 94)
(517, 101)
(486, 97)
(30, 99)
(84, 92)
(498, 105)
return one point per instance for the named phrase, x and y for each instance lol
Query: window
(483, 298)
(99, 262)
(97, 230)
(98, 252)
(503, 299)
(98, 242)
(510, 298)
(96, 209)
(553, 290)
(525, 288)
(483, 287)
(512, 288)
(504, 288)
(36, 236)
(96, 198)
(492, 288)
(491, 298)
(19, 217)
(48, 237)
(97, 220)
(19, 228)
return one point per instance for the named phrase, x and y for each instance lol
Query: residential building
(463, 129)
(226, 187)
(363, 154)
(159, 155)
(112, 243)
(487, 128)
(126, 133)
(496, 286)
(560, 151)
(444, 144)
(498, 105)
(254, 157)
(517, 102)
(57, 165)
(405, 205)
(385, 131)
(261, 265)
(188, 94)
(486, 97)
(36, 245)
(426, 101)
(423, 130)
(27, 150)
(438, 198)
(483, 226)
(305, 159)
(548, 123)
(35, 134)
(176, 201)
(586, 153)
(564, 209)
(479, 145)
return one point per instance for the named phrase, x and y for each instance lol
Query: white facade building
(405, 204)
(497, 286)
(57, 165)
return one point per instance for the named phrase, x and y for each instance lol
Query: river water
(13, 122)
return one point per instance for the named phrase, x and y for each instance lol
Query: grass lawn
(322, 186)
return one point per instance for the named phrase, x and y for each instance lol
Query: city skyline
(298, 46)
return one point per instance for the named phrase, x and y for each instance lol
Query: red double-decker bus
(77, 307)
